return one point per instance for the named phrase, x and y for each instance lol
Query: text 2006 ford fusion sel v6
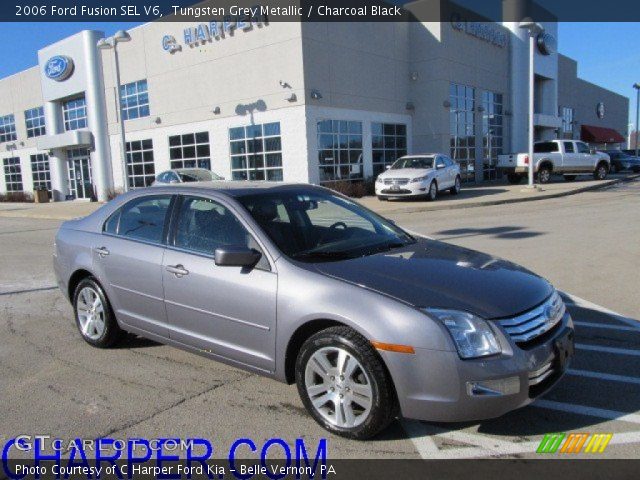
(303, 285)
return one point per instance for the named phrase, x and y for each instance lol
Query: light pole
(637, 87)
(106, 44)
(534, 29)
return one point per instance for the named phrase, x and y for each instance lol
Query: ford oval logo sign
(58, 68)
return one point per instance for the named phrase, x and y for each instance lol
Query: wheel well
(75, 279)
(546, 163)
(603, 162)
(297, 339)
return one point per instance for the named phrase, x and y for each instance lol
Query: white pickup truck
(565, 157)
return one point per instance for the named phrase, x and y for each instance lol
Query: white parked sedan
(423, 175)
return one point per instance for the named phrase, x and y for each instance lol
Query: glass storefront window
(388, 143)
(256, 152)
(340, 150)
(140, 165)
(40, 172)
(567, 114)
(190, 150)
(12, 174)
(75, 114)
(492, 132)
(462, 129)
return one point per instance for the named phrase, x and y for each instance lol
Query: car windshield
(413, 162)
(195, 175)
(317, 226)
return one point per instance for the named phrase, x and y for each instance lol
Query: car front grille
(530, 326)
(396, 181)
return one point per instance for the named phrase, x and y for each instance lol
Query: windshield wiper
(322, 255)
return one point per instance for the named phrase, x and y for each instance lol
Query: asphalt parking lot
(54, 383)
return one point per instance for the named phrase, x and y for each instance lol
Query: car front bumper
(417, 189)
(439, 386)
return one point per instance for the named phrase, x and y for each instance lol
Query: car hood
(406, 173)
(430, 273)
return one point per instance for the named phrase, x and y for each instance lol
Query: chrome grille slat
(397, 181)
(533, 323)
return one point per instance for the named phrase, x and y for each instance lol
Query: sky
(607, 53)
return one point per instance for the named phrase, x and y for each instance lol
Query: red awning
(594, 134)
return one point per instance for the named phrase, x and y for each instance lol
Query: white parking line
(477, 445)
(599, 348)
(588, 411)
(605, 326)
(581, 302)
(604, 376)
(425, 446)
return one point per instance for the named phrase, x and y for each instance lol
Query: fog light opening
(494, 388)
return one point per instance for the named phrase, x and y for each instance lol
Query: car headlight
(420, 179)
(472, 335)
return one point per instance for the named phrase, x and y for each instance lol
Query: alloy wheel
(338, 387)
(91, 315)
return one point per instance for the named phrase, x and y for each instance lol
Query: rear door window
(545, 147)
(583, 147)
(568, 147)
(143, 219)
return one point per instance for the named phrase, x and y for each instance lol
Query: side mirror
(387, 167)
(592, 151)
(236, 256)
(173, 180)
(440, 166)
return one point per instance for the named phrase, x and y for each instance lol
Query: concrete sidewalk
(493, 194)
(472, 196)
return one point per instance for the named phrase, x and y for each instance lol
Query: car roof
(234, 188)
(419, 155)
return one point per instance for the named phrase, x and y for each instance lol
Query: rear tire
(544, 174)
(514, 178)
(457, 185)
(601, 171)
(344, 385)
(94, 316)
(432, 194)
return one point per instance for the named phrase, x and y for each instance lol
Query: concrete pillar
(57, 157)
(102, 175)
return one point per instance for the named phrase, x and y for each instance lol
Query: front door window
(79, 166)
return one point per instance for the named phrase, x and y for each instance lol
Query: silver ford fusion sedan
(303, 285)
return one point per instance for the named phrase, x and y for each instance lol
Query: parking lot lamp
(107, 44)
(534, 30)
(637, 87)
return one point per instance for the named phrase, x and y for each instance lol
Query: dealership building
(299, 102)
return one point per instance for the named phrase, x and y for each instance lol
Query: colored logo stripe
(598, 442)
(574, 443)
(550, 443)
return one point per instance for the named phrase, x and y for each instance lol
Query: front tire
(432, 194)
(344, 384)
(455, 190)
(94, 316)
(601, 171)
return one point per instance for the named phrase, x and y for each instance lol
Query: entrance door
(80, 185)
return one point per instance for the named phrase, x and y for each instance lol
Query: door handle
(177, 270)
(102, 251)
